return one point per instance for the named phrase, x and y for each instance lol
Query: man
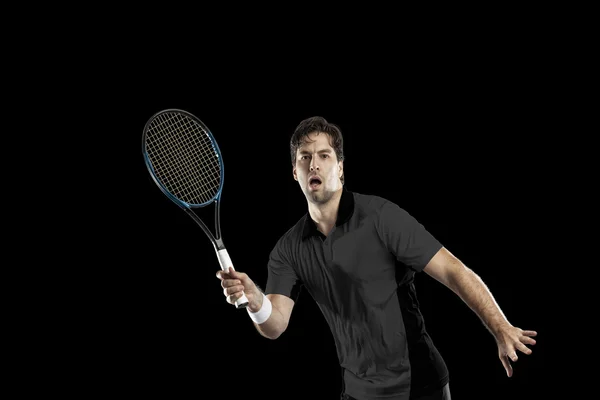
(357, 255)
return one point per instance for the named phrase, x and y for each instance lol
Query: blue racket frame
(185, 206)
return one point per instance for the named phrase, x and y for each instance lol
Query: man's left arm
(451, 272)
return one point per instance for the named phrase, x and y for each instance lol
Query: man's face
(317, 170)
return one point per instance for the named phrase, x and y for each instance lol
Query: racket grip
(226, 263)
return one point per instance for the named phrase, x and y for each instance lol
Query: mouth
(314, 182)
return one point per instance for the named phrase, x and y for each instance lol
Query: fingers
(231, 286)
(231, 299)
(507, 366)
(230, 273)
(528, 340)
(232, 283)
(225, 283)
(511, 341)
(524, 349)
(224, 274)
(524, 340)
(233, 290)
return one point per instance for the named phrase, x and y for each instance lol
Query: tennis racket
(185, 162)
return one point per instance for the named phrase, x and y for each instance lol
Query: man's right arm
(279, 318)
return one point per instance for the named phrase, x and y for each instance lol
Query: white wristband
(264, 313)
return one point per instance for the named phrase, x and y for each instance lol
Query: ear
(294, 173)
(340, 169)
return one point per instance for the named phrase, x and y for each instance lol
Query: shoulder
(374, 205)
(283, 252)
(384, 213)
(292, 235)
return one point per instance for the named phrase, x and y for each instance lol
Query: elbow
(275, 336)
(272, 334)
(278, 333)
(275, 325)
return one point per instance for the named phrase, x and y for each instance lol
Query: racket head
(183, 158)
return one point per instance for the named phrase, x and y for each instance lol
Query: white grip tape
(264, 313)
(224, 259)
(226, 263)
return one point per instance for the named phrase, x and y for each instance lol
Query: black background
(461, 116)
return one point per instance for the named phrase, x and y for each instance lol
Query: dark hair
(317, 124)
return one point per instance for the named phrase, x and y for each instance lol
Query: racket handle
(225, 262)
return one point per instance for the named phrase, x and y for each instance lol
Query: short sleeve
(282, 278)
(405, 237)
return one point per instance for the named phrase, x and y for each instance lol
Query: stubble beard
(321, 197)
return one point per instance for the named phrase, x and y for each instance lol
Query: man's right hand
(235, 284)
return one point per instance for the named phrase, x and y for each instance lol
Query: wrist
(497, 328)
(257, 304)
(264, 310)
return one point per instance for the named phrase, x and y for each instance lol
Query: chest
(352, 258)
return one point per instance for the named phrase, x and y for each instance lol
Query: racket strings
(184, 158)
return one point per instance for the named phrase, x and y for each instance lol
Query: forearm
(274, 326)
(474, 292)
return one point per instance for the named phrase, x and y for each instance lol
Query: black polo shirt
(361, 277)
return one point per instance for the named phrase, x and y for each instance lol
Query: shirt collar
(345, 211)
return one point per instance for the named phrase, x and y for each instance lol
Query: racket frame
(216, 238)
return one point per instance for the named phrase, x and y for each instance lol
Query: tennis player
(357, 255)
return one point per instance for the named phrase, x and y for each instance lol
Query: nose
(313, 164)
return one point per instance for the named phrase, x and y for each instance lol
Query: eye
(325, 155)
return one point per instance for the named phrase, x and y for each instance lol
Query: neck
(325, 214)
